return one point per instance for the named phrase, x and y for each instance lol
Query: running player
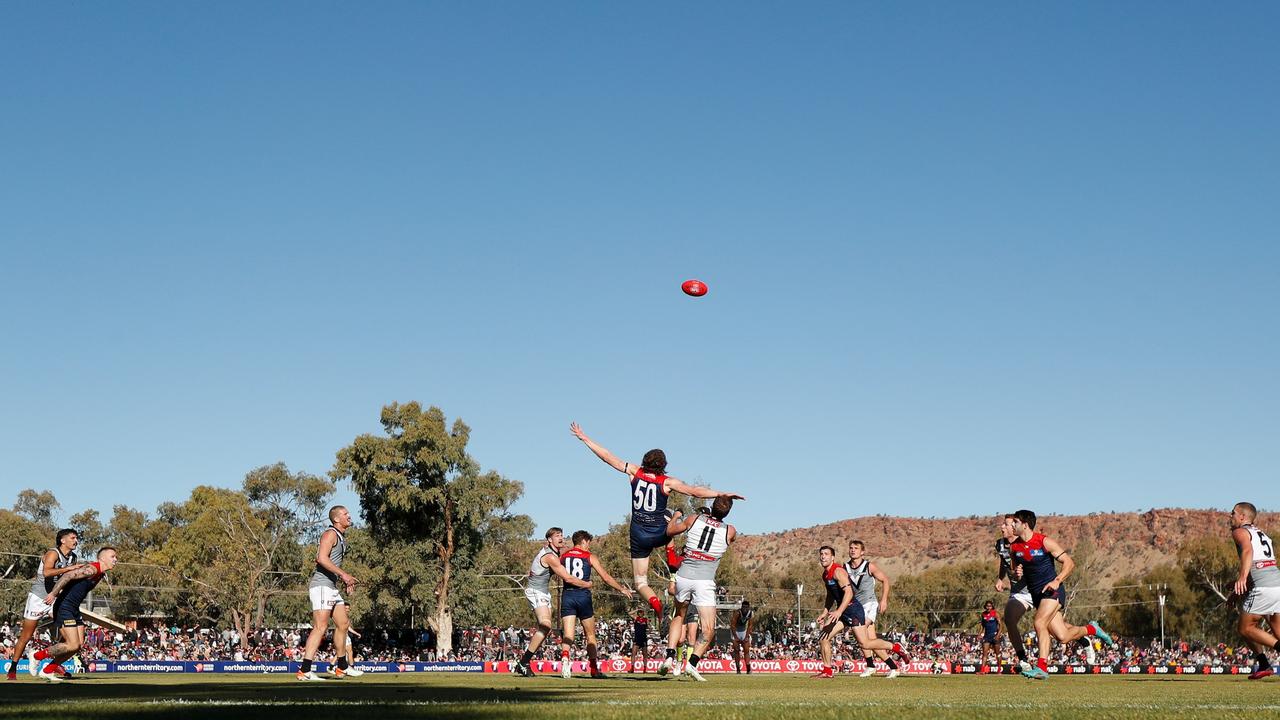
(839, 609)
(990, 623)
(741, 624)
(575, 602)
(538, 592)
(1019, 602)
(640, 642)
(65, 598)
(326, 601)
(1037, 555)
(863, 574)
(59, 559)
(707, 538)
(1258, 584)
(650, 487)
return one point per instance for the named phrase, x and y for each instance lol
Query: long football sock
(1043, 664)
(526, 657)
(306, 665)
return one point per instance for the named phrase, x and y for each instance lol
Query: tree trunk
(239, 620)
(443, 619)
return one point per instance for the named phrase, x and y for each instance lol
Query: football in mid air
(696, 288)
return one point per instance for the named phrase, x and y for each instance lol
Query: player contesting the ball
(650, 486)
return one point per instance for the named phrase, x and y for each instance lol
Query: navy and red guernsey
(835, 593)
(649, 500)
(990, 623)
(578, 563)
(1038, 566)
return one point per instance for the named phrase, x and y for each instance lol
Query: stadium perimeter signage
(715, 665)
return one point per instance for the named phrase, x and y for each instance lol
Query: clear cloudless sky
(962, 257)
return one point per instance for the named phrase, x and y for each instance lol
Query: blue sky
(962, 259)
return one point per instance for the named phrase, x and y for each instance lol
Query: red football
(696, 288)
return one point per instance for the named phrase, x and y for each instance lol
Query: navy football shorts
(576, 604)
(853, 616)
(645, 539)
(1042, 594)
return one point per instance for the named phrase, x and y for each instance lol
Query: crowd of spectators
(777, 640)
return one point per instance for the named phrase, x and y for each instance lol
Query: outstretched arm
(608, 579)
(602, 452)
(79, 573)
(697, 491)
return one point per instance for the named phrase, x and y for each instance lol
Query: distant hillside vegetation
(1127, 543)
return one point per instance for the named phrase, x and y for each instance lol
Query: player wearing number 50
(575, 602)
(650, 487)
(707, 537)
(1257, 587)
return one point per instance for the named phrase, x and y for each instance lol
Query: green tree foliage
(21, 541)
(138, 586)
(946, 597)
(428, 509)
(37, 507)
(237, 550)
(1135, 606)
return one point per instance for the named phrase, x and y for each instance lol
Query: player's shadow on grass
(114, 698)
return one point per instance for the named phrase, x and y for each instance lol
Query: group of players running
(1028, 569)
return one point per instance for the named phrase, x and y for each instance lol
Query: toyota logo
(619, 665)
(792, 666)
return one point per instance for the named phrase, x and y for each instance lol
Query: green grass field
(723, 697)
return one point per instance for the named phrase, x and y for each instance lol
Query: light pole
(799, 592)
(1163, 588)
(1160, 589)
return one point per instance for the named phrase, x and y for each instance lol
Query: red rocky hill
(1125, 543)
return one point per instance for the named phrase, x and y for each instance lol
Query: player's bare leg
(866, 636)
(319, 624)
(589, 636)
(688, 642)
(674, 633)
(742, 653)
(1250, 627)
(540, 633)
(1013, 612)
(566, 642)
(640, 571)
(707, 622)
(639, 659)
(1050, 624)
(24, 637)
(1260, 640)
(58, 653)
(341, 623)
(824, 644)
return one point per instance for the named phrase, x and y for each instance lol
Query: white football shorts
(1262, 601)
(537, 598)
(701, 592)
(870, 609)
(36, 607)
(325, 598)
